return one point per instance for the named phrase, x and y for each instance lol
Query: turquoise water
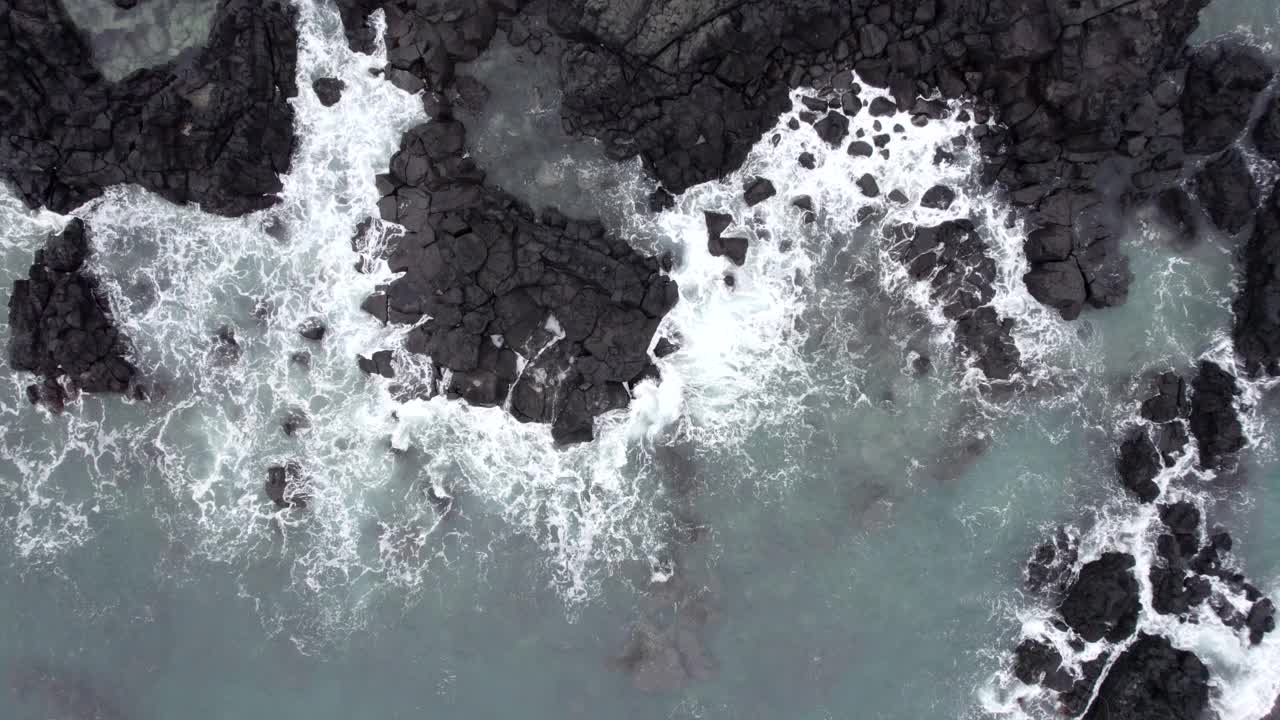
(806, 528)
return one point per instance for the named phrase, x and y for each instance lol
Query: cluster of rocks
(1191, 572)
(61, 327)
(547, 316)
(212, 127)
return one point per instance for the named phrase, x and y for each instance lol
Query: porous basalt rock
(1153, 679)
(212, 127)
(60, 324)
(1103, 601)
(1214, 420)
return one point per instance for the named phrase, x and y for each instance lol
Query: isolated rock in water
(1214, 421)
(1138, 463)
(1227, 190)
(883, 107)
(833, 128)
(868, 185)
(1223, 80)
(284, 485)
(213, 126)
(938, 197)
(664, 347)
(1170, 400)
(859, 148)
(329, 90)
(758, 190)
(60, 323)
(312, 328)
(1152, 679)
(1261, 620)
(808, 161)
(1257, 322)
(1103, 601)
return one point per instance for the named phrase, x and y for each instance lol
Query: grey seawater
(812, 530)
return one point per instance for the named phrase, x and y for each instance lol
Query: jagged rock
(758, 190)
(1138, 463)
(1153, 679)
(213, 126)
(1227, 190)
(1257, 322)
(1223, 79)
(1060, 285)
(379, 363)
(1103, 601)
(1170, 401)
(61, 327)
(833, 128)
(1214, 421)
(808, 161)
(1261, 620)
(294, 421)
(660, 200)
(329, 90)
(1038, 663)
(1266, 135)
(664, 347)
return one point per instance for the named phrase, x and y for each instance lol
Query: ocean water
(805, 526)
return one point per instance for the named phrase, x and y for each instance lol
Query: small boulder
(329, 90)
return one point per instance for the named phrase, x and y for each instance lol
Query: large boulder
(1153, 679)
(1227, 190)
(1224, 78)
(1214, 420)
(1257, 304)
(1103, 602)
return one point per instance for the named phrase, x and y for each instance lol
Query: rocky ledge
(213, 127)
(61, 327)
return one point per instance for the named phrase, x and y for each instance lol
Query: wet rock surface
(213, 127)
(1214, 420)
(1153, 679)
(548, 316)
(1257, 305)
(60, 324)
(1103, 601)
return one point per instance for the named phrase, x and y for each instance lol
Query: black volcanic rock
(1103, 601)
(1060, 285)
(1257, 305)
(329, 90)
(1170, 400)
(1138, 463)
(758, 190)
(285, 485)
(1224, 78)
(1036, 662)
(212, 127)
(833, 128)
(868, 185)
(1214, 421)
(1152, 679)
(1051, 564)
(60, 324)
(1178, 212)
(1227, 190)
(1266, 134)
(938, 197)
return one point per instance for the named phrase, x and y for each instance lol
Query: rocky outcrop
(1224, 78)
(1227, 190)
(1103, 601)
(955, 261)
(1214, 421)
(545, 315)
(1257, 305)
(213, 127)
(1138, 463)
(60, 325)
(1153, 679)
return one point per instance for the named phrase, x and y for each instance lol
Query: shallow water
(860, 531)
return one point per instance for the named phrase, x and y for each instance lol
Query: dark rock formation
(1039, 663)
(286, 486)
(60, 324)
(734, 248)
(212, 127)
(953, 257)
(1138, 463)
(1223, 80)
(758, 190)
(1257, 306)
(1178, 212)
(1103, 601)
(1227, 190)
(329, 90)
(498, 280)
(312, 329)
(1170, 401)
(1153, 679)
(1214, 421)
(868, 185)
(1266, 134)
(938, 197)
